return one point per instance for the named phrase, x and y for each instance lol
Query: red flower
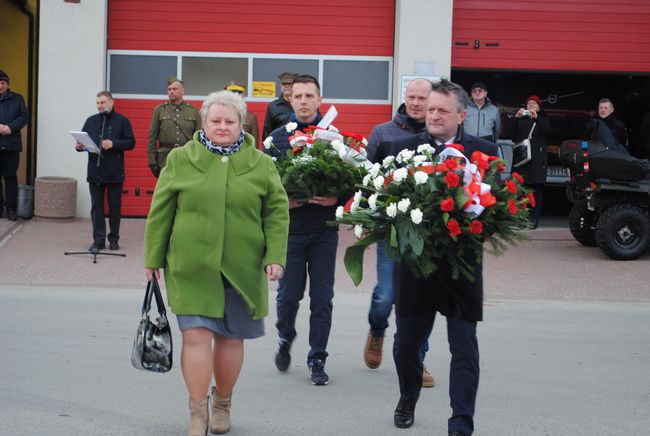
(531, 199)
(491, 158)
(348, 205)
(501, 167)
(518, 177)
(476, 227)
(452, 179)
(512, 205)
(453, 227)
(523, 205)
(487, 200)
(447, 205)
(297, 149)
(451, 164)
(457, 147)
(511, 186)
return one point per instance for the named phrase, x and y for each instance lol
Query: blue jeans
(312, 254)
(381, 303)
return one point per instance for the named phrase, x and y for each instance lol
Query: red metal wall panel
(341, 27)
(140, 183)
(557, 35)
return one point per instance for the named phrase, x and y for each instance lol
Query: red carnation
(512, 205)
(452, 179)
(457, 147)
(518, 177)
(447, 205)
(476, 227)
(523, 205)
(511, 186)
(453, 227)
(451, 164)
(297, 149)
(531, 199)
(348, 205)
(501, 167)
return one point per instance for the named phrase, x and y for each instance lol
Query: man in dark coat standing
(280, 109)
(13, 117)
(113, 134)
(418, 299)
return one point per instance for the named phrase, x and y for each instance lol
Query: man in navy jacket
(418, 299)
(113, 135)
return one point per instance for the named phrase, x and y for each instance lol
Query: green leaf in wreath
(353, 258)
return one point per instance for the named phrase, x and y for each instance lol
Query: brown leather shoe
(198, 418)
(427, 379)
(372, 352)
(220, 418)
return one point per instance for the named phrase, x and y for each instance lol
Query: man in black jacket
(13, 117)
(418, 299)
(279, 110)
(113, 135)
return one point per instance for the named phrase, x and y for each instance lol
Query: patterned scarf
(216, 149)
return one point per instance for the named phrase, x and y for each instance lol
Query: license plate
(557, 172)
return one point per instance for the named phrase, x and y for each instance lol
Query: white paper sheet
(84, 138)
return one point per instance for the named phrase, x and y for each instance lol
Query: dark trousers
(464, 367)
(312, 254)
(97, 195)
(8, 169)
(536, 213)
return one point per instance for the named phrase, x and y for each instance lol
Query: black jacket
(277, 115)
(439, 292)
(13, 113)
(118, 129)
(533, 172)
(609, 131)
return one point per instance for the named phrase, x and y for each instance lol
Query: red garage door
(197, 31)
(557, 35)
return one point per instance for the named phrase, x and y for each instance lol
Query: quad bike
(610, 196)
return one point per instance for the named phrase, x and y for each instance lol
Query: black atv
(610, 196)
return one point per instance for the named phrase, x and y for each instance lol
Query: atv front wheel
(623, 232)
(582, 223)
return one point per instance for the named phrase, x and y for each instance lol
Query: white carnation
(366, 179)
(405, 155)
(374, 170)
(391, 210)
(358, 230)
(388, 160)
(416, 216)
(339, 212)
(422, 148)
(419, 160)
(354, 207)
(378, 182)
(372, 202)
(291, 127)
(357, 197)
(268, 142)
(420, 177)
(404, 205)
(400, 175)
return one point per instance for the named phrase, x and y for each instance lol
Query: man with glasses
(483, 117)
(279, 110)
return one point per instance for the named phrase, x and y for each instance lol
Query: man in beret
(279, 110)
(172, 125)
(250, 124)
(13, 117)
(483, 117)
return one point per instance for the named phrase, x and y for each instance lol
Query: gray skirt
(235, 324)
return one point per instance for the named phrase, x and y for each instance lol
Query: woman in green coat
(218, 225)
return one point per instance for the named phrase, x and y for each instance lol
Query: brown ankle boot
(372, 351)
(198, 418)
(220, 419)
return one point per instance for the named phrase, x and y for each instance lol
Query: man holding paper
(113, 135)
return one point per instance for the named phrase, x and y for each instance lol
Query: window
(203, 75)
(356, 80)
(131, 74)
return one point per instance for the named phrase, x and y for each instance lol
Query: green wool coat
(213, 215)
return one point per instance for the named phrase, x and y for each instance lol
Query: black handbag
(152, 346)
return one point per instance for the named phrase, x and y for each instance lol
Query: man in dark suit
(418, 299)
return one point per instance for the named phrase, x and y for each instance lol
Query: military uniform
(171, 126)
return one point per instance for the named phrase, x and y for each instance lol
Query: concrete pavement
(564, 348)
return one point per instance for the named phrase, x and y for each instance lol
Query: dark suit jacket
(416, 296)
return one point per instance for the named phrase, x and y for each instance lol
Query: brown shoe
(198, 418)
(372, 352)
(220, 418)
(427, 379)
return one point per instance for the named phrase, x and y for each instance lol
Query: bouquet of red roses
(321, 162)
(426, 208)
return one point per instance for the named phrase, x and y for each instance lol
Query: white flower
(358, 230)
(354, 206)
(422, 148)
(388, 160)
(416, 216)
(366, 179)
(420, 177)
(391, 210)
(291, 127)
(378, 182)
(357, 197)
(404, 205)
(405, 155)
(400, 175)
(374, 170)
(339, 212)
(268, 142)
(419, 160)
(372, 202)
